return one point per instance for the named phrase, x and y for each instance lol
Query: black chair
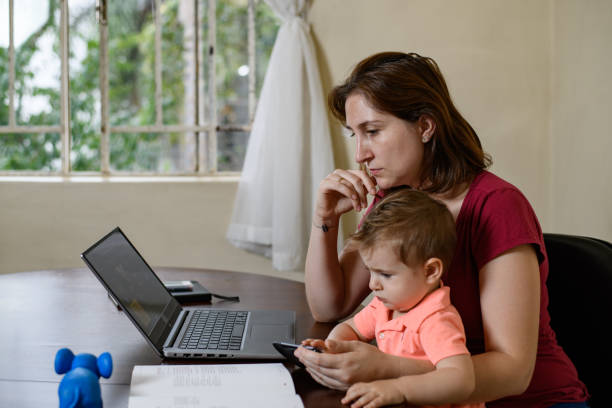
(580, 291)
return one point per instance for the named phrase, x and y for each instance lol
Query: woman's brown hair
(409, 86)
(417, 226)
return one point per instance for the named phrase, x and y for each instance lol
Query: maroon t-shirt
(496, 217)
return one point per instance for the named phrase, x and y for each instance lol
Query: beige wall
(529, 75)
(494, 55)
(173, 223)
(581, 120)
(532, 77)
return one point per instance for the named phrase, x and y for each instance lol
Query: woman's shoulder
(486, 182)
(495, 204)
(490, 190)
(496, 215)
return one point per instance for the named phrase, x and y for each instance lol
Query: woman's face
(391, 148)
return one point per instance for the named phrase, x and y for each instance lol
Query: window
(130, 87)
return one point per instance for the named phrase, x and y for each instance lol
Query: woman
(408, 132)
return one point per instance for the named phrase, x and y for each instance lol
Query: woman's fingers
(354, 184)
(327, 369)
(359, 181)
(342, 190)
(346, 189)
(366, 180)
(326, 381)
(325, 365)
(343, 363)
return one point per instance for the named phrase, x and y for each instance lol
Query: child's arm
(346, 331)
(342, 331)
(452, 381)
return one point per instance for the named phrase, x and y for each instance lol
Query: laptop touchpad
(271, 331)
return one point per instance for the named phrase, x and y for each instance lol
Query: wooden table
(43, 311)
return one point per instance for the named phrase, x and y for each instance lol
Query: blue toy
(80, 387)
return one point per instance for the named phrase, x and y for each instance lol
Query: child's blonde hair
(418, 226)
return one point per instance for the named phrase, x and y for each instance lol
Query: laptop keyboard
(216, 330)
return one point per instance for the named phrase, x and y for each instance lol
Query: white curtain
(289, 150)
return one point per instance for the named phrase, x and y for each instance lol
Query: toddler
(406, 242)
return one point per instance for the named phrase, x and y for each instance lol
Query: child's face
(397, 285)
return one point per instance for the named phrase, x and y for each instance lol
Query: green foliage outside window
(26, 151)
(132, 85)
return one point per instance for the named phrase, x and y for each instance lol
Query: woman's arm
(335, 286)
(510, 304)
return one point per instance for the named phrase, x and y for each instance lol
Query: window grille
(207, 118)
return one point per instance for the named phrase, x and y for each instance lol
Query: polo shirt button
(382, 335)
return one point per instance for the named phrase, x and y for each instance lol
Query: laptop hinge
(178, 324)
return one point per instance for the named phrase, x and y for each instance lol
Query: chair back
(580, 292)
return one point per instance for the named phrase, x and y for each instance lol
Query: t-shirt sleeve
(506, 220)
(442, 335)
(365, 321)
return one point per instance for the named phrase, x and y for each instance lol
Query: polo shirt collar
(437, 300)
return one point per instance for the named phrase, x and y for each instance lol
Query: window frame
(205, 131)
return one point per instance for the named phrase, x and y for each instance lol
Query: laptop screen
(133, 284)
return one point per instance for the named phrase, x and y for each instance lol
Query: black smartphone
(287, 349)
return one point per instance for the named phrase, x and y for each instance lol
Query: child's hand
(316, 343)
(373, 394)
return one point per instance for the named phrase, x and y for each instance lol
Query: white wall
(531, 76)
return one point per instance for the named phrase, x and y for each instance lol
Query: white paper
(195, 401)
(213, 386)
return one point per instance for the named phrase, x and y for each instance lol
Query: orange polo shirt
(432, 330)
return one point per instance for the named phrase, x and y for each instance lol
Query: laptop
(174, 331)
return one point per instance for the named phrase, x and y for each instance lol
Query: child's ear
(433, 270)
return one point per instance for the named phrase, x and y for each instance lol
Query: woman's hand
(342, 363)
(335, 285)
(341, 191)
